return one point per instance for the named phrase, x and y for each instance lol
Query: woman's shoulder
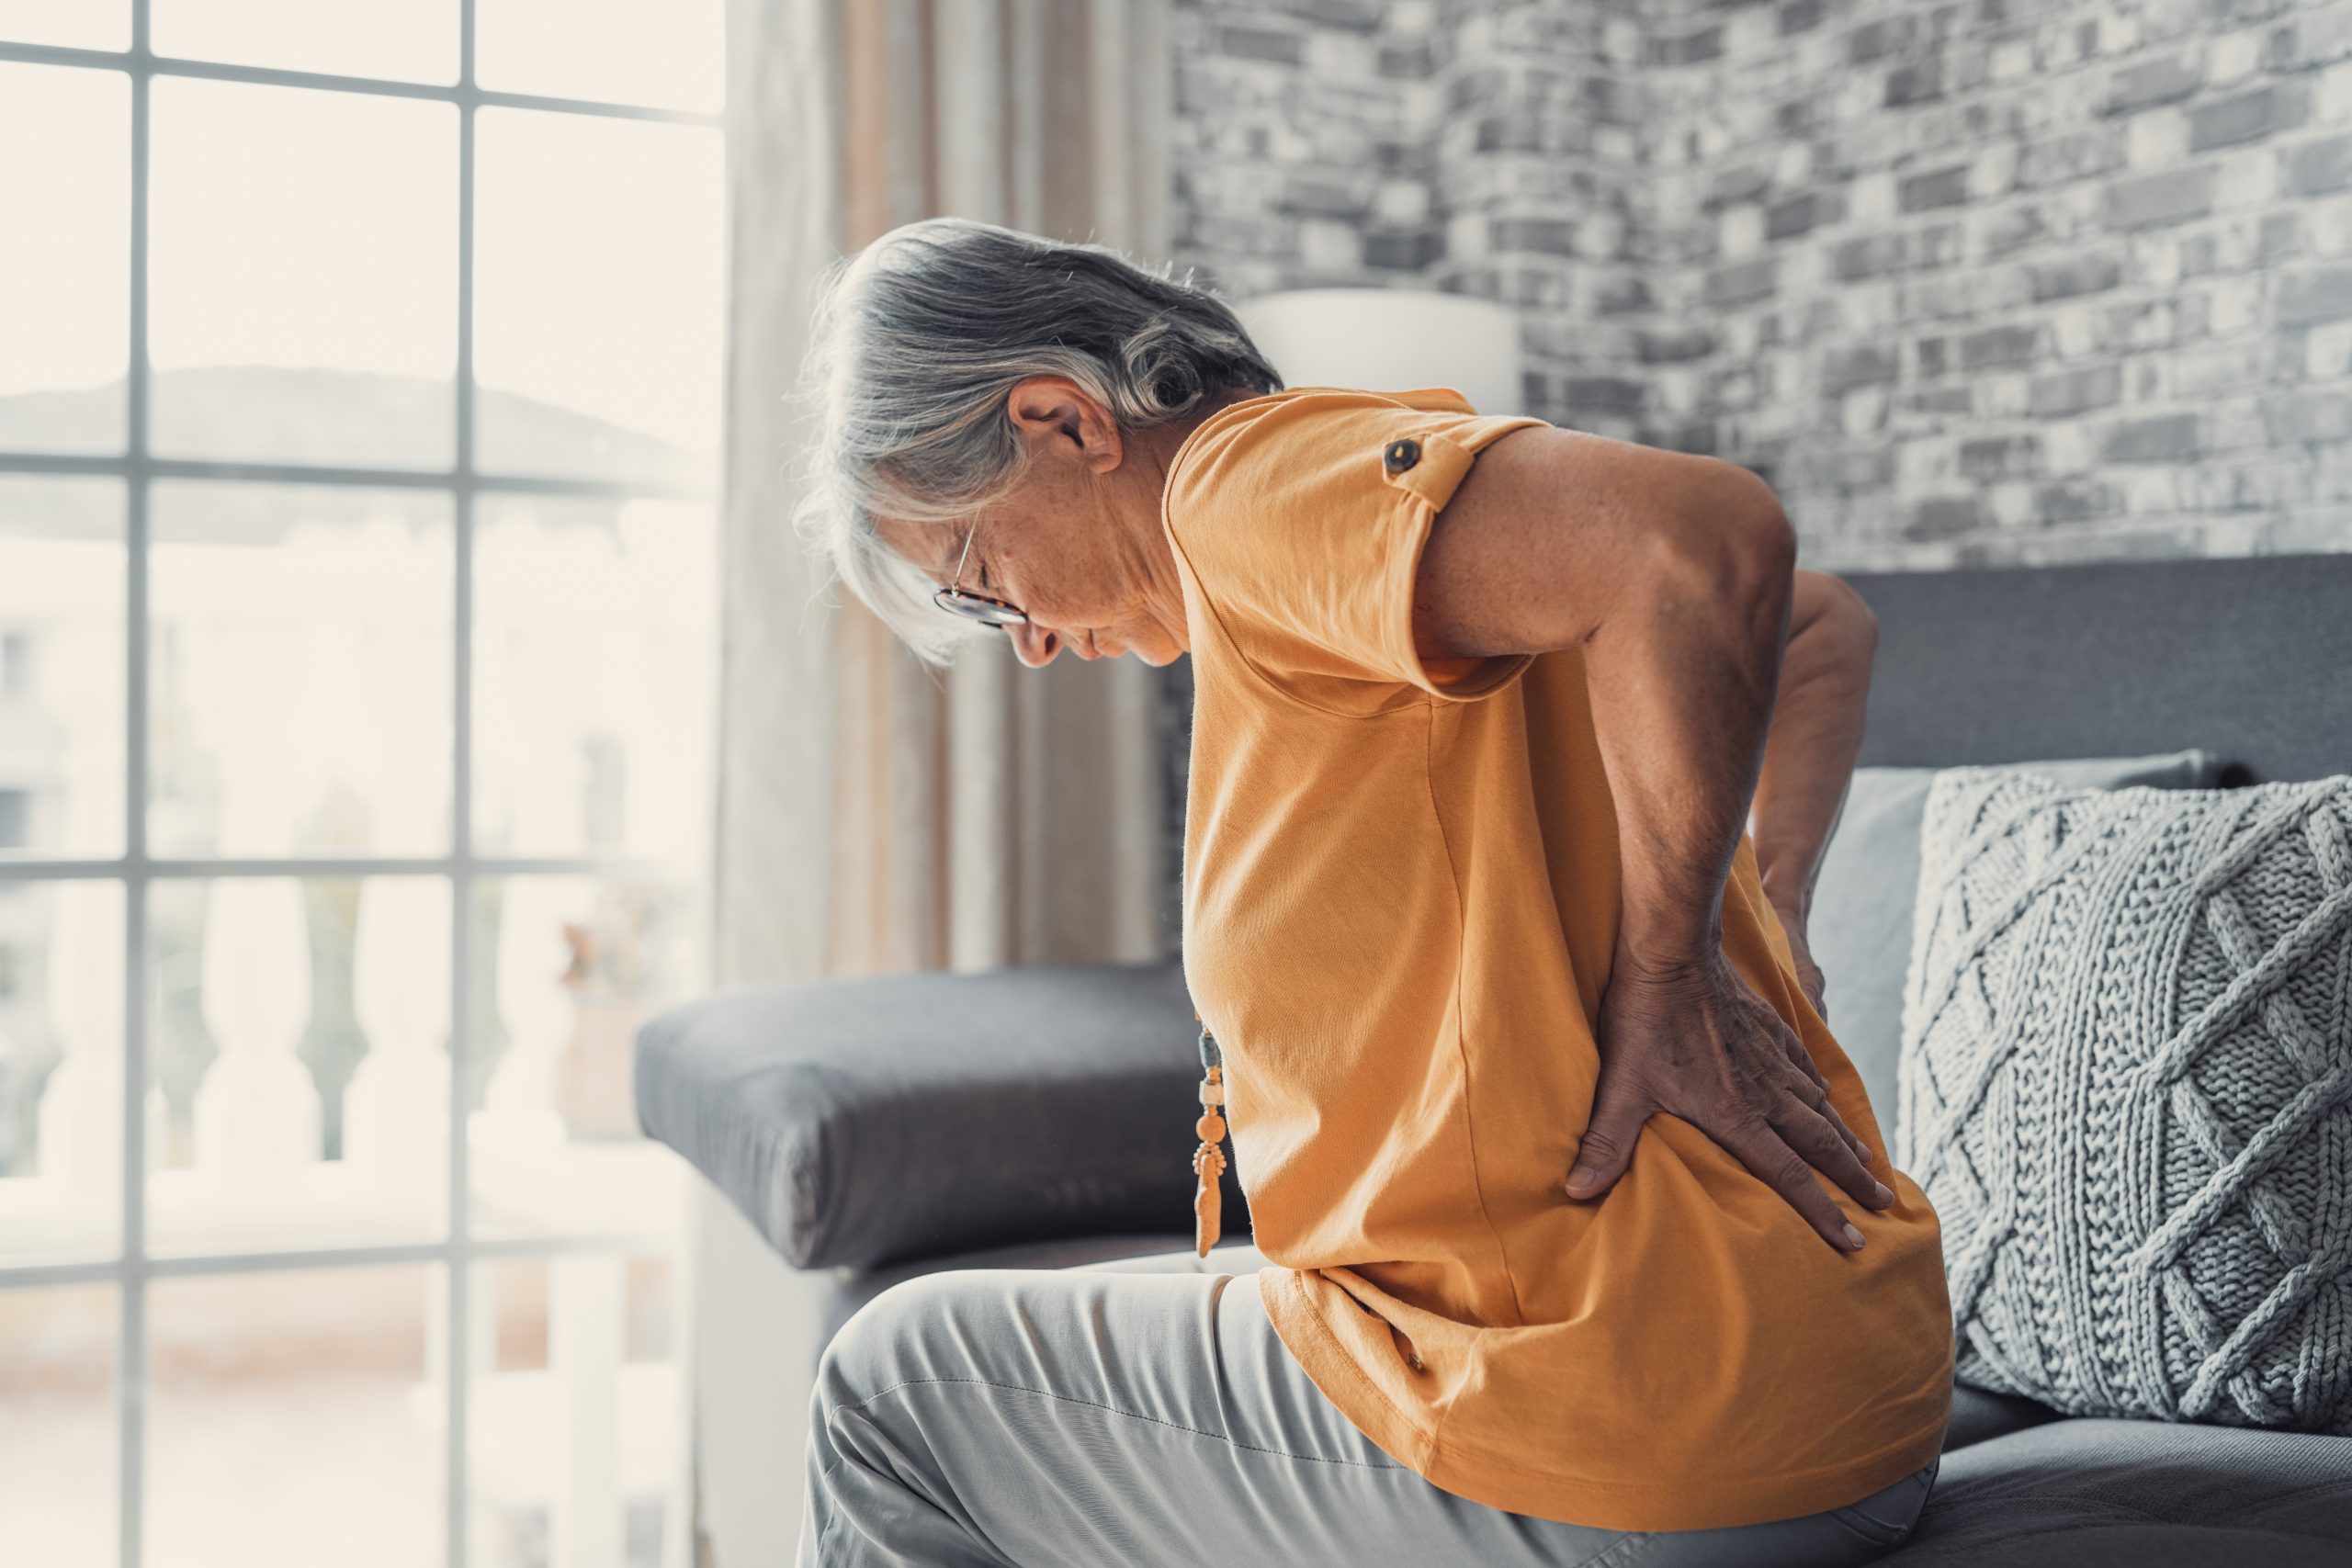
(1298, 518)
(1298, 412)
(1304, 446)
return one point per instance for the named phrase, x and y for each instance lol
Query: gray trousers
(1143, 1414)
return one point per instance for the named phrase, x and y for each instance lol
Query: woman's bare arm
(1816, 733)
(1675, 573)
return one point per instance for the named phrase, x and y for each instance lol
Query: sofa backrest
(2251, 659)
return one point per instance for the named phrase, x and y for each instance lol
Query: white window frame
(135, 870)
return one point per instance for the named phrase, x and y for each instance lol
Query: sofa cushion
(2128, 1085)
(860, 1121)
(2093, 1494)
(1978, 1416)
(1861, 926)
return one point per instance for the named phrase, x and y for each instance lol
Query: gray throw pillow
(860, 1122)
(1861, 926)
(2127, 1084)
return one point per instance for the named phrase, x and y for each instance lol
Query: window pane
(303, 280)
(597, 313)
(595, 667)
(302, 652)
(668, 53)
(566, 968)
(295, 1420)
(557, 1344)
(61, 666)
(73, 23)
(65, 302)
(60, 1069)
(410, 41)
(302, 1049)
(58, 1449)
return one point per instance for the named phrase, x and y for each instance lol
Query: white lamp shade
(1388, 340)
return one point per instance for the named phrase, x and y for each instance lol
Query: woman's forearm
(1814, 736)
(1682, 678)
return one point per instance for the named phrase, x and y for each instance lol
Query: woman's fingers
(1882, 1196)
(1618, 1109)
(1802, 1059)
(1824, 1144)
(1773, 1160)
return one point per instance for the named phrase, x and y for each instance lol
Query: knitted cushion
(2127, 1054)
(1859, 929)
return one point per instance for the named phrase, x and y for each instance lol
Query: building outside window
(360, 376)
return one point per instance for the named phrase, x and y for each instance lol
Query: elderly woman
(1581, 1242)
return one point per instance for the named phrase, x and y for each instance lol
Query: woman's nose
(1034, 645)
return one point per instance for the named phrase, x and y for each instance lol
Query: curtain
(876, 815)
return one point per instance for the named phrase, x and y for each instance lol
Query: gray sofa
(856, 1133)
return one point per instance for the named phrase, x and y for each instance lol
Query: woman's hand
(1698, 1043)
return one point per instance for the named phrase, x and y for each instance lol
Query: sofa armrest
(867, 1120)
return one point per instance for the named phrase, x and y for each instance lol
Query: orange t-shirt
(1401, 901)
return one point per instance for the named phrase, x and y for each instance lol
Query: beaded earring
(1209, 1160)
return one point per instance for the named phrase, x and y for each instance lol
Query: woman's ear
(1054, 409)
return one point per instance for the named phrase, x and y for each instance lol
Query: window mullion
(367, 478)
(132, 1358)
(461, 885)
(140, 59)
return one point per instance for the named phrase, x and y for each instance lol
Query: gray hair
(917, 341)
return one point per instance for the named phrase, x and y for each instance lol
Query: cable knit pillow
(2127, 1087)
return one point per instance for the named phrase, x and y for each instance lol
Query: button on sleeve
(1442, 456)
(1303, 529)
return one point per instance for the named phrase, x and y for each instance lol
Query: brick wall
(1976, 283)
(1980, 282)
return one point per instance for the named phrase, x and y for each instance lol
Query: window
(359, 416)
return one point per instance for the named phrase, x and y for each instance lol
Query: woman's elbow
(1770, 539)
(1740, 547)
(1862, 623)
(1832, 610)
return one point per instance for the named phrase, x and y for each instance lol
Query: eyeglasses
(976, 606)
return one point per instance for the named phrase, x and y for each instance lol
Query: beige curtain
(875, 815)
